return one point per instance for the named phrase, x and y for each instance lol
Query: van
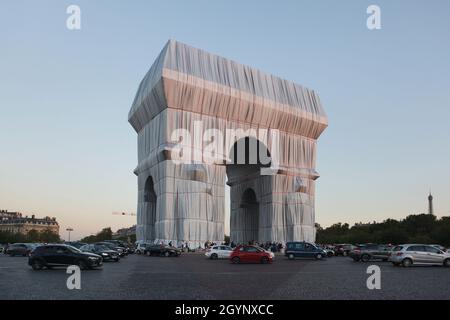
(304, 250)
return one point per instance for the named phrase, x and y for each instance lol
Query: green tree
(33, 236)
(48, 236)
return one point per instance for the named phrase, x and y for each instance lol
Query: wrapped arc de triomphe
(196, 114)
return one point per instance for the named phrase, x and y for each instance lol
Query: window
(252, 249)
(299, 246)
(416, 248)
(61, 250)
(432, 249)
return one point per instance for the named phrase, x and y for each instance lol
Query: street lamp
(69, 229)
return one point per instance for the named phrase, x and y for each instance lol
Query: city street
(191, 276)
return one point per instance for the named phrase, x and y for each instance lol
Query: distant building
(430, 204)
(15, 222)
(125, 232)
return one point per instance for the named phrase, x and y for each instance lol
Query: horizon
(65, 96)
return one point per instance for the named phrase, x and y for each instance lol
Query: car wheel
(291, 256)
(82, 265)
(138, 251)
(166, 254)
(407, 262)
(264, 260)
(37, 265)
(329, 254)
(148, 253)
(214, 256)
(319, 256)
(447, 263)
(344, 253)
(235, 260)
(365, 258)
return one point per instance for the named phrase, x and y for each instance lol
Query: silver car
(419, 254)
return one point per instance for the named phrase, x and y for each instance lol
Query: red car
(250, 254)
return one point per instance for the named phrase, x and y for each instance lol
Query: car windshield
(101, 247)
(397, 248)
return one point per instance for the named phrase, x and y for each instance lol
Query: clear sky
(67, 150)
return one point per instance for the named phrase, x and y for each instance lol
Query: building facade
(195, 114)
(15, 222)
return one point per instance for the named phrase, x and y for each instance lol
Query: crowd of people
(188, 246)
(270, 246)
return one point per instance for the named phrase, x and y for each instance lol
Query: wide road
(191, 276)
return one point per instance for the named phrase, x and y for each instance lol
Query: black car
(53, 255)
(19, 249)
(120, 250)
(122, 244)
(106, 253)
(370, 251)
(161, 250)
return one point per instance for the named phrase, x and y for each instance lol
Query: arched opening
(247, 156)
(249, 216)
(248, 199)
(150, 208)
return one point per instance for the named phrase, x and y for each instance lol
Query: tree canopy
(33, 236)
(419, 228)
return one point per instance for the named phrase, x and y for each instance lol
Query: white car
(141, 246)
(219, 252)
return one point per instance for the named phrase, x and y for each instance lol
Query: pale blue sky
(67, 149)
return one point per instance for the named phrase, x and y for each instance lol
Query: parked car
(251, 254)
(218, 252)
(343, 249)
(161, 250)
(122, 244)
(122, 252)
(2, 248)
(53, 255)
(304, 250)
(76, 244)
(370, 251)
(106, 253)
(328, 251)
(418, 254)
(141, 246)
(20, 249)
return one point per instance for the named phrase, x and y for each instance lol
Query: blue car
(304, 250)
